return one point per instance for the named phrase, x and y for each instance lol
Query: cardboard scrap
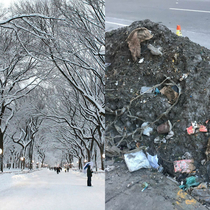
(170, 94)
(184, 166)
(135, 38)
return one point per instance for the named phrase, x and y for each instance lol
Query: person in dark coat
(89, 175)
(58, 170)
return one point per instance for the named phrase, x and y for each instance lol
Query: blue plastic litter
(153, 160)
(191, 181)
(157, 91)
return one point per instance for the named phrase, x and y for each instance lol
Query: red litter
(184, 166)
(195, 128)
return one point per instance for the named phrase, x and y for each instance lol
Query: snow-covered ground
(47, 190)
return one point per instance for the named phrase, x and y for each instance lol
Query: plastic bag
(153, 160)
(136, 160)
(190, 182)
(146, 129)
(146, 89)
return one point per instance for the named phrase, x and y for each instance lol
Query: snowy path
(47, 190)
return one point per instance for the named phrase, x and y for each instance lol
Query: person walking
(89, 175)
(58, 170)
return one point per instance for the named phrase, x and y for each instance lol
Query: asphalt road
(192, 15)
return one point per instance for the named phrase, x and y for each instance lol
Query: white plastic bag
(146, 129)
(136, 160)
(153, 160)
(146, 89)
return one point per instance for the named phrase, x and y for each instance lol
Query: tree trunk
(88, 153)
(80, 163)
(31, 148)
(1, 147)
(102, 159)
(96, 160)
(12, 161)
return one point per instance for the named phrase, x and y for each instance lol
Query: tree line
(52, 79)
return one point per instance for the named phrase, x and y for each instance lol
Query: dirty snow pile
(158, 98)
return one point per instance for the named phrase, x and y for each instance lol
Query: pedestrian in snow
(58, 170)
(89, 175)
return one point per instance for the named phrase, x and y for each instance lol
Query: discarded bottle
(145, 185)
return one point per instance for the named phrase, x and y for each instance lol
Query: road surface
(47, 190)
(192, 15)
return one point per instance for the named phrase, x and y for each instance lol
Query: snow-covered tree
(66, 38)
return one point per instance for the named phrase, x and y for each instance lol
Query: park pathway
(47, 190)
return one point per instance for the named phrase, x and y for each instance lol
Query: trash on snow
(184, 166)
(145, 185)
(187, 155)
(145, 89)
(195, 128)
(190, 182)
(160, 169)
(146, 129)
(203, 162)
(135, 38)
(136, 159)
(157, 91)
(155, 50)
(130, 184)
(169, 92)
(203, 128)
(141, 60)
(107, 65)
(165, 127)
(153, 160)
(170, 135)
(158, 140)
(163, 140)
(184, 76)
